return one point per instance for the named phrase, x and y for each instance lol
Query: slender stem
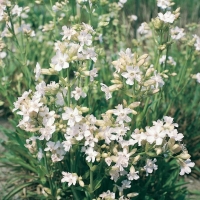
(91, 183)
(74, 193)
(48, 176)
(69, 89)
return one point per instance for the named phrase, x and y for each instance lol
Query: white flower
(40, 88)
(155, 134)
(133, 73)
(163, 4)
(185, 167)
(70, 178)
(171, 61)
(198, 77)
(60, 61)
(105, 89)
(177, 33)
(72, 116)
(85, 38)
(133, 175)
(122, 159)
(16, 10)
(122, 114)
(197, 44)
(132, 17)
(67, 33)
(93, 74)
(67, 143)
(158, 79)
(150, 166)
(162, 59)
(91, 154)
(174, 134)
(37, 71)
(169, 123)
(47, 132)
(168, 17)
(107, 195)
(77, 93)
(138, 137)
(40, 154)
(143, 29)
(59, 99)
(3, 54)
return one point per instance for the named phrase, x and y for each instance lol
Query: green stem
(48, 175)
(91, 183)
(69, 89)
(74, 193)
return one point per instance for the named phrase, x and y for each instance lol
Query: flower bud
(184, 156)
(144, 56)
(133, 194)
(157, 23)
(134, 105)
(84, 109)
(135, 159)
(149, 71)
(176, 148)
(149, 82)
(162, 47)
(81, 183)
(158, 151)
(141, 62)
(104, 155)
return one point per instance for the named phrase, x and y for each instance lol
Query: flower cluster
(134, 70)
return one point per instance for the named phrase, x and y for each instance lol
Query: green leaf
(17, 189)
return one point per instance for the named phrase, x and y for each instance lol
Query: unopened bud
(162, 47)
(132, 195)
(176, 148)
(136, 159)
(144, 56)
(173, 74)
(141, 62)
(81, 183)
(104, 155)
(115, 87)
(158, 151)
(177, 15)
(184, 156)
(84, 109)
(165, 76)
(157, 23)
(134, 105)
(149, 71)
(149, 82)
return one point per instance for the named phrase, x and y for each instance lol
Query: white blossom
(185, 167)
(133, 73)
(37, 71)
(107, 195)
(77, 93)
(150, 166)
(177, 33)
(105, 89)
(70, 178)
(198, 77)
(163, 4)
(168, 17)
(72, 116)
(67, 33)
(60, 61)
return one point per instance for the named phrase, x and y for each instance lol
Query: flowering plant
(95, 132)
